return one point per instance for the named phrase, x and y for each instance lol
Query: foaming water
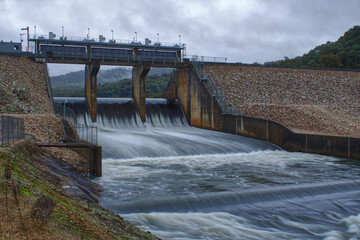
(206, 197)
(157, 142)
(221, 225)
(199, 226)
(165, 133)
(352, 224)
(240, 201)
(181, 182)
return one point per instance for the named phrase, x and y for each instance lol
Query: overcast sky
(242, 30)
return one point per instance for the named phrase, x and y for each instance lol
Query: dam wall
(202, 110)
(325, 101)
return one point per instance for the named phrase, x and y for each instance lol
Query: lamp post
(158, 38)
(63, 32)
(112, 35)
(180, 39)
(34, 31)
(27, 30)
(88, 36)
(136, 37)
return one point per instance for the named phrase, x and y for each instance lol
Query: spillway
(181, 182)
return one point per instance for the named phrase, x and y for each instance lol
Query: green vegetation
(61, 92)
(35, 205)
(155, 86)
(344, 53)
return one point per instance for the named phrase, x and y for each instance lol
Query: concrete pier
(91, 72)
(139, 73)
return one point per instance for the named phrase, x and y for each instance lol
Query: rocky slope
(22, 86)
(321, 101)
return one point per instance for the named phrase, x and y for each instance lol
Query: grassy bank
(36, 205)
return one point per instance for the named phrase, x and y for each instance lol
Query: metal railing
(48, 81)
(83, 130)
(133, 42)
(208, 59)
(11, 129)
(214, 85)
(86, 133)
(112, 58)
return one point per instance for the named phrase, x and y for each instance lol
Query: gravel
(320, 101)
(23, 87)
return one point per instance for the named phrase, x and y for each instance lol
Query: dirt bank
(30, 175)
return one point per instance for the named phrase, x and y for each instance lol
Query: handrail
(214, 84)
(199, 70)
(108, 57)
(111, 41)
(208, 59)
(82, 128)
(48, 81)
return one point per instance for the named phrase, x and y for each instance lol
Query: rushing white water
(181, 182)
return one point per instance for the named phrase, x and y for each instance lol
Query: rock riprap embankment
(321, 101)
(23, 88)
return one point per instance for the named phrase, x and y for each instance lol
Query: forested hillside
(344, 53)
(155, 86)
(76, 80)
(114, 82)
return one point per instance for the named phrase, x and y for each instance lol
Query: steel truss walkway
(67, 50)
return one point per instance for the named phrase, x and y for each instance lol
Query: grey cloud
(246, 31)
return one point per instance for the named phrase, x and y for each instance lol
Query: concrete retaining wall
(202, 111)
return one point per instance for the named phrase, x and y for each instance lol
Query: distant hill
(76, 80)
(344, 53)
(155, 85)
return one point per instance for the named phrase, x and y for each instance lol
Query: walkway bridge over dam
(96, 52)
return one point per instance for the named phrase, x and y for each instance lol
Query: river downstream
(181, 182)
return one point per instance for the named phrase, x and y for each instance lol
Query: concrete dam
(199, 88)
(189, 166)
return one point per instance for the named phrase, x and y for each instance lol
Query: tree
(331, 61)
(344, 53)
